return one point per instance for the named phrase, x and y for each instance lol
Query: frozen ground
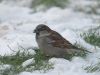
(16, 29)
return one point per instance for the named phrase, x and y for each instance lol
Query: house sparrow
(52, 43)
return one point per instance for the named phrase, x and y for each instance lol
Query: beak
(35, 31)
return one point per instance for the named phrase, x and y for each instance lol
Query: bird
(52, 44)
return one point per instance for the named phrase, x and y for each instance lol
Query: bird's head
(41, 28)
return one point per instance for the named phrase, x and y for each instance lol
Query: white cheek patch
(44, 34)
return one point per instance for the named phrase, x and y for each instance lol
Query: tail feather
(84, 50)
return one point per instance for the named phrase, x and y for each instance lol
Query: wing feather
(59, 41)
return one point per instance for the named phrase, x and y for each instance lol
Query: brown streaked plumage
(58, 42)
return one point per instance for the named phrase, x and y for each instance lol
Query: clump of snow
(64, 67)
(28, 62)
(3, 67)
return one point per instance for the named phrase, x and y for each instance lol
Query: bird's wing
(59, 41)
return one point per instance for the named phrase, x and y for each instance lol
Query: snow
(28, 62)
(3, 67)
(16, 28)
(64, 67)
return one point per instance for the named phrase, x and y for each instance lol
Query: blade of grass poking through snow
(50, 3)
(93, 36)
(41, 61)
(93, 68)
(16, 60)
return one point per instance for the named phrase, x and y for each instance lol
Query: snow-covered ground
(16, 29)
